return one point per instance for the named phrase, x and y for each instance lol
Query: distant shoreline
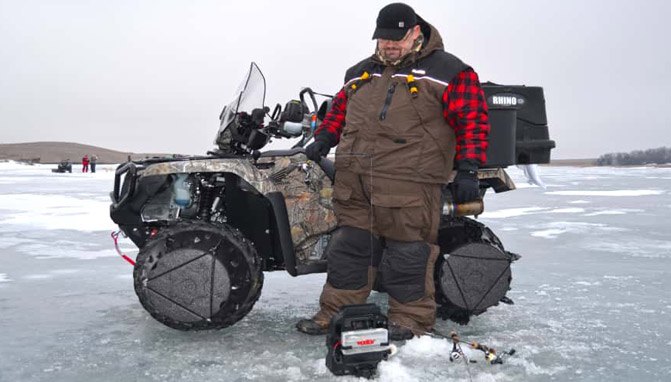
(55, 152)
(592, 163)
(586, 162)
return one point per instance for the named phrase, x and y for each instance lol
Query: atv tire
(473, 272)
(197, 276)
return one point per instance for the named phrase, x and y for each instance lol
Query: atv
(207, 227)
(63, 166)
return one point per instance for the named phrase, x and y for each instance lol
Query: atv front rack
(129, 170)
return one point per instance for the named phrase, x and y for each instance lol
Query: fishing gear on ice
(357, 341)
(490, 353)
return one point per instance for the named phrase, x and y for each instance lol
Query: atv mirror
(257, 139)
(258, 115)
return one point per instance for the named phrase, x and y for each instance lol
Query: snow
(580, 201)
(525, 185)
(554, 229)
(53, 212)
(606, 193)
(590, 292)
(650, 248)
(568, 210)
(622, 211)
(510, 212)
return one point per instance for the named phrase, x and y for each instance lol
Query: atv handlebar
(312, 98)
(325, 164)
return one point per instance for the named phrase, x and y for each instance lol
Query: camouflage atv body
(208, 227)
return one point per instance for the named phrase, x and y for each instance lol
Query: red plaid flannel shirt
(464, 108)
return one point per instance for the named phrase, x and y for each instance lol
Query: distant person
(85, 163)
(94, 159)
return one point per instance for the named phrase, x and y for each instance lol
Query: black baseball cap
(393, 21)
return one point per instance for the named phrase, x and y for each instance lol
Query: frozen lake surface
(591, 292)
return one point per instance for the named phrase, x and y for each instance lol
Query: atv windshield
(250, 95)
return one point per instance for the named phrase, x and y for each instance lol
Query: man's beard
(391, 54)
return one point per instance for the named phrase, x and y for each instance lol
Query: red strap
(115, 237)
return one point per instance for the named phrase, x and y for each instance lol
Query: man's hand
(317, 150)
(465, 187)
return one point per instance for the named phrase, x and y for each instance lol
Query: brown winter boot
(311, 327)
(399, 333)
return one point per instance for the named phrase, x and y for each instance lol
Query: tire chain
(248, 250)
(470, 231)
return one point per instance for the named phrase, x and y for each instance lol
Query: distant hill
(54, 152)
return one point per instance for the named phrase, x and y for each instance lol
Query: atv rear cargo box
(519, 127)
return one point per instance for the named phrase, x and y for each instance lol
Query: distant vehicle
(64, 166)
(208, 226)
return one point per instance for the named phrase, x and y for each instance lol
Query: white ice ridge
(525, 185)
(510, 212)
(4, 278)
(621, 211)
(403, 366)
(49, 211)
(551, 233)
(56, 249)
(606, 193)
(650, 248)
(555, 229)
(568, 210)
(12, 165)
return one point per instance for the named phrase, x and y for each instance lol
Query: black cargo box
(519, 127)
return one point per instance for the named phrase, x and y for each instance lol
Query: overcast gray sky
(152, 76)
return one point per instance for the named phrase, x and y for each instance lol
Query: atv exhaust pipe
(475, 207)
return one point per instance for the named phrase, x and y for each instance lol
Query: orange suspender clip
(364, 78)
(412, 85)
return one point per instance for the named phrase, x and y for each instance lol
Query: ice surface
(510, 212)
(607, 193)
(556, 228)
(45, 211)
(621, 211)
(590, 291)
(567, 210)
(651, 248)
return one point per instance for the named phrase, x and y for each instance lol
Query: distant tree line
(651, 156)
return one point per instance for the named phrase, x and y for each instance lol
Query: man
(405, 118)
(94, 160)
